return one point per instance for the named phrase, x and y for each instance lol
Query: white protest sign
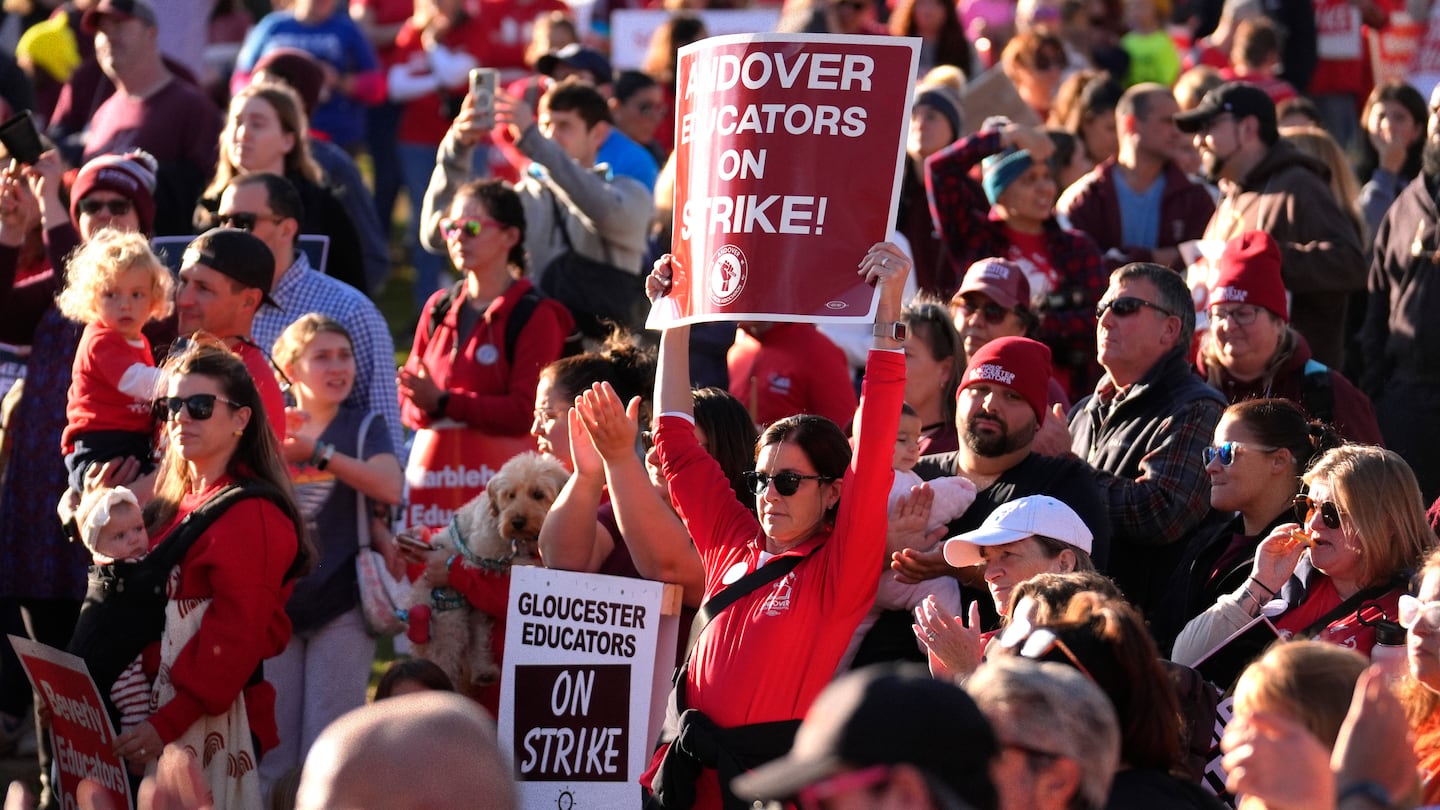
(575, 697)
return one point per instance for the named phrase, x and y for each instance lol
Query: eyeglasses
(993, 313)
(1127, 305)
(1041, 642)
(244, 220)
(118, 207)
(451, 228)
(1242, 315)
(1329, 512)
(1226, 451)
(200, 406)
(810, 797)
(786, 483)
(1412, 611)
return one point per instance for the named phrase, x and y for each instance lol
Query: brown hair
(291, 113)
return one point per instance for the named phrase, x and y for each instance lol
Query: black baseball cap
(237, 254)
(885, 715)
(1240, 99)
(577, 57)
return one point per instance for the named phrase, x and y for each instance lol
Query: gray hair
(1174, 294)
(1057, 709)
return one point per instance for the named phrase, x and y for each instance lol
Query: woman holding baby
(1361, 535)
(231, 563)
(819, 535)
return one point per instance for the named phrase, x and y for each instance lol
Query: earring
(240, 432)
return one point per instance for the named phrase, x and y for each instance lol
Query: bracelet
(325, 458)
(1273, 594)
(1369, 790)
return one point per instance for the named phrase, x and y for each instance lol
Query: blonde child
(112, 527)
(116, 286)
(953, 495)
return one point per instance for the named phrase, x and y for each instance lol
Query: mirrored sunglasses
(451, 228)
(1226, 451)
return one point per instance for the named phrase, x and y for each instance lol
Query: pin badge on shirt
(487, 354)
(734, 573)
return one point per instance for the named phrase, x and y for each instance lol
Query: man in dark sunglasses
(270, 207)
(224, 279)
(1144, 428)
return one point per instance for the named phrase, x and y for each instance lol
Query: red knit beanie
(131, 175)
(1250, 274)
(1018, 363)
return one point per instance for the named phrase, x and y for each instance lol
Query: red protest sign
(80, 730)
(789, 152)
(449, 465)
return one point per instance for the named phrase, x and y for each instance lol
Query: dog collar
(446, 599)
(497, 565)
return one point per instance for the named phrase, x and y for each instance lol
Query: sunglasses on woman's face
(786, 483)
(1305, 506)
(200, 406)
(451, 228)
(1413, 611)
(1226, 451)
(118, 207)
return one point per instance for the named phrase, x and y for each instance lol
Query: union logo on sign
(728, 272)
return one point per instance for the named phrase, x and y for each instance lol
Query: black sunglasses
(1305, 506)
(118, 207)
(200, 406)
(993, 313)
(786, 483)
(1127, 305)
(244, 220)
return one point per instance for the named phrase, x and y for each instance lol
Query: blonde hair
(96, 265)
(290, 112)
(292, 342)
(1310, 682)
(1381, 499)
(1344, 187)
(1420, 700)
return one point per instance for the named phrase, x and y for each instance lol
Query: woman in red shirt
(226, 607)
(758, 666)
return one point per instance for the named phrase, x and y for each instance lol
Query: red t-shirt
(1346, 631)
(1032, 253)
(95, 400)
(508, 25)
(264, 376)
(791, 368)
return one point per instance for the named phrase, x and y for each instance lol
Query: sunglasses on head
(992, 312)
(786, 483)
(118, 207)
(243, 220)
(1041, 642)
(1226, 451)
(450, 228)
(1412, 611)
(1127, 305)
(1305, 506)
(200, 406)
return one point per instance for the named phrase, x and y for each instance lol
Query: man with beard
(1143, 430)
(1265, 185)
(1402, 352)
(999, 409)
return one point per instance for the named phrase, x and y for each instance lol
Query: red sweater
(487, 593)
(96, 401)
(264, 376)
(496, 396)
(791, 368)
(767, 657)
(239, 564)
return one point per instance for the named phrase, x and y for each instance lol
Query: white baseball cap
(1016, 520)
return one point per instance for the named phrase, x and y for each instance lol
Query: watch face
(901, 331)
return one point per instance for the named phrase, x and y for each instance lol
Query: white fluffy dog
(499, 528)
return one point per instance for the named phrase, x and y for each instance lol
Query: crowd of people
(1122, 501)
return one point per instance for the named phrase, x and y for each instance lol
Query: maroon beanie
(1250, 274)
(131, 175)
(1018, 363)
(297, 68)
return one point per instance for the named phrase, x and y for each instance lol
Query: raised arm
(571, 539)
(672, 376)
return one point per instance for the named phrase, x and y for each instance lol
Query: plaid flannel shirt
(969, 232)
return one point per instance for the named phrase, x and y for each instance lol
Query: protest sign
(1395, 47)
(80, 732)
(789, 153)
(579, 674)
(450, 464)
(631, 29)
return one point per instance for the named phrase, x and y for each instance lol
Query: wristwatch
(895, 330)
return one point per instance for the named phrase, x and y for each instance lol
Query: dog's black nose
(517, 523)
